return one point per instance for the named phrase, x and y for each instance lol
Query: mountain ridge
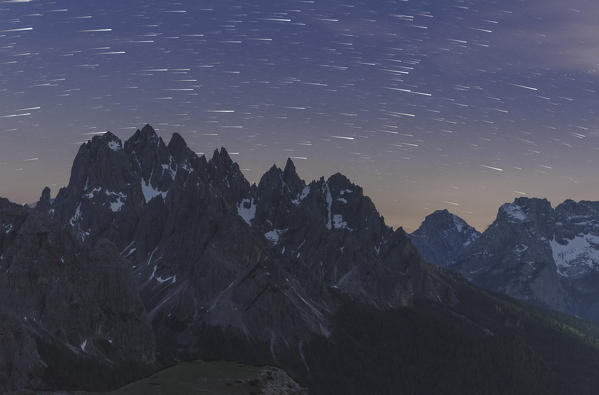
(275, 273)
(159, 202)
(535, 252)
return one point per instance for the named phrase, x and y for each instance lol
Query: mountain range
(531, 252)
(153, 255)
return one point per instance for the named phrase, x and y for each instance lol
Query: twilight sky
(428, 104)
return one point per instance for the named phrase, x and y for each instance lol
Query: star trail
(450, 104)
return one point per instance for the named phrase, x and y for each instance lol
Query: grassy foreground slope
(214, 378)
(485, 344)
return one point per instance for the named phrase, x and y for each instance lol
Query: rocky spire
(179, 149)
(153, 160)
(44, 204)
(221, 159)
(289, 170)
(145, 139)
(227, 176)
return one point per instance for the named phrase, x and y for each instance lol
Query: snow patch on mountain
(172, 279)
(339, 223)
(472, 239)
(76, 216)
(459, 223)
(114, 145)
(247, 210)
(171, 168)
(274, 235)
(118, 202)
(92, 193)
(514, 212)
(521, 248)
(150, 192)
(7, 228)
(305, 192)
(577, 256)
(329, 199)
(186, 167)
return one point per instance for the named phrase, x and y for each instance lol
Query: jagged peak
(583, 207)
(285, 180)
(221, 157)
(274, 169)
(179, 149)
(442, 214)
(524, 209)
(289, 168)
(46, 194)
(532, 201)
(274, 173)
(444, 219)
(436, 216)
(45, 200)
(399, 236)
(144, 140)
(105, 138)
(526, 204)
(573, 203)
(148, 131)
(342, 184)
(439, 212)
(291, 177)
(177, 141)
(108, 136)
(98, 146)
(340, 179)
(223, 171)
(320, 183)
(400, 232)
(141, 136)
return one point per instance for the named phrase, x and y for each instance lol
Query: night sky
(438, 104)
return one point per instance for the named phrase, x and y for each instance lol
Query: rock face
(442, 238)
(513, 256)
(210, 251)
(531, 252)
(333, 230)
(65, 308)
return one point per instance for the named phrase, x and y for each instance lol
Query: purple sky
(427, 104)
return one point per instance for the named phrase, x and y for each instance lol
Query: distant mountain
(306, 277)
(442, 238)
(539, 254)
(531, 252)
(70, 317)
